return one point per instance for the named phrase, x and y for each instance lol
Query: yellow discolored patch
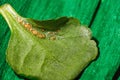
(28, 26)
(42, 36)
(19, 20)
(53, 38)
(34, 32)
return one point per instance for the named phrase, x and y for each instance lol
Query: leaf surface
(56, 49)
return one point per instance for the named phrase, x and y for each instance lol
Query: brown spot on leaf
(42, 36)
(34, 32)
(53, 38)
(19, 20)
(28, 26)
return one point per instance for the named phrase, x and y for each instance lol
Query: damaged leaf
(56, 49)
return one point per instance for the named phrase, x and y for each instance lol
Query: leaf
(47, 50)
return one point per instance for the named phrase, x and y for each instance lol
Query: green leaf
(48, 50)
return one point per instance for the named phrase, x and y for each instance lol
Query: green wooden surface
(104, 23)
